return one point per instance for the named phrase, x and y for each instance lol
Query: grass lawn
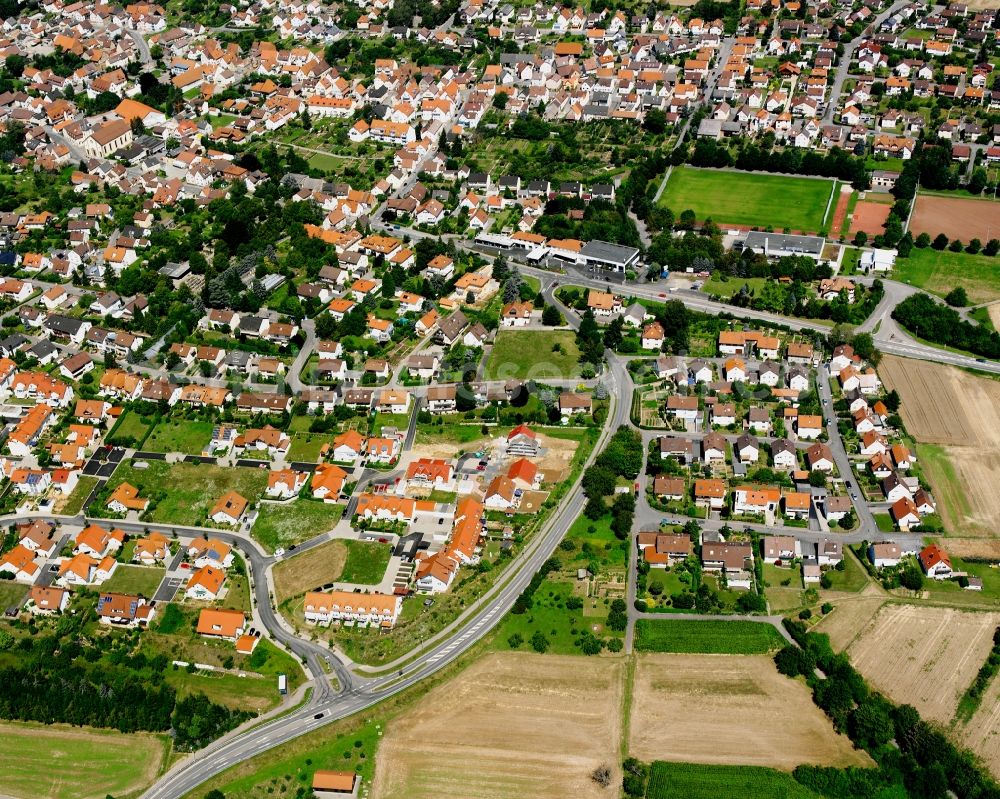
(743, 198)
(400, 421)
(283, 525)
(884, 522)
(74, 502)
(187, 491)
(11, 593)
(130, 426)
(135, 580)
(853, 578)
(709, 637)
(697, 781)
(62, 762)
(446, 433)
(563, 627)
(939, 271)
(189, 437)
(726, 288)
(366, 562)
(324, 161)
(306, 446)
(533, 354)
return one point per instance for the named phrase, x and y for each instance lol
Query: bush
(805, 614)
(793, 661)
(539, 642)
(957, 298)
(515, 641)
(912, 578)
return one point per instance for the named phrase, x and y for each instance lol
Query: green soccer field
(751, 199)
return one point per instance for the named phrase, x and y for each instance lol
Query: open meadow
(62, 762)
(511, 726)
(533, 355)
(309, 570)
(924, 656)
(280, 525)
(750, 199)
(698, 709)
(955, 418)
(187, 491)
(939, 271)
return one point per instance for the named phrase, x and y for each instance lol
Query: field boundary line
(829, 202)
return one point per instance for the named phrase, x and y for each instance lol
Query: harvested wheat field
(963, 218)
(848, 619)
(869, 217)
(699, 709)
(958, 415)
(924, 656)
(981, 733)
(511, 725)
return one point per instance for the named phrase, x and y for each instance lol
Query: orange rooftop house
(125, 498)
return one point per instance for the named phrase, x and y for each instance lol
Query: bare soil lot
(698, 709)
(959, 414)
(962, 218)
(313, 568)
(869, 217)
(511, 725)
(924, 656)
(558, 455)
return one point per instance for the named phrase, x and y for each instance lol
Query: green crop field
(366, 562)
(696, 781)
(536, 354)
(283, 525)
(939, 271)
(747, 198)
(708, 637)
(61, 762)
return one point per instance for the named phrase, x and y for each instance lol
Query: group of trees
(912, 756)
(937, 323)
(792, 160)
(601, 220)
(66, 677)
(621, 458)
